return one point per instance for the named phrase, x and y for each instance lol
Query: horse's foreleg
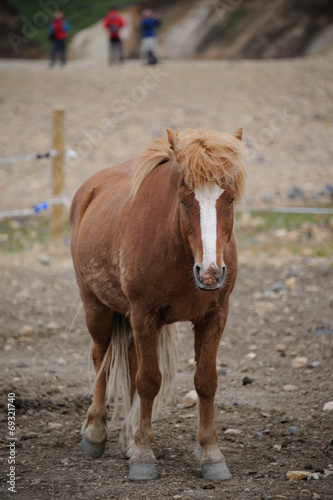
(207, 338)
(148, 382)
(99, 322)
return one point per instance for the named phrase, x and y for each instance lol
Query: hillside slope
(205, 29)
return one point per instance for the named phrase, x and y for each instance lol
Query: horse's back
(114, 180)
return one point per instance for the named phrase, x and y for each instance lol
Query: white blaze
(207, 197)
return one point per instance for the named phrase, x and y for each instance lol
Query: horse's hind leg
(99, 323)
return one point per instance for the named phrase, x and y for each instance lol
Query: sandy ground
(279, 304)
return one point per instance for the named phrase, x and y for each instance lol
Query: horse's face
(206, 217)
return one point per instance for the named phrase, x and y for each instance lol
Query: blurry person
(114, 22)
(149, 24)
(58, 32)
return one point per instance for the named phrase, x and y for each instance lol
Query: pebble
(250, 355)
(293, 430)
(43, 259)
(233, 431)
(60, 361)
(313, 475)
(258, 435)
(247, 381)
(291, 283)
(297, 475)
(324, 332)
(277, 447)
(281, 348)
(54, 425)
(290, 388)
(328, 406)
(190, 399)
(26, 330)
(299, 362)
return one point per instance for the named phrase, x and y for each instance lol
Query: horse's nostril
(197, 270)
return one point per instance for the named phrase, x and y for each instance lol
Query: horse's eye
(231, 201)
(185, 204)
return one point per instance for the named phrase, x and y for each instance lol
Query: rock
(297, 475)
(190, 399)
(250, 355)
(192, 361)
(299, 362)
(53, 326)
(281, 348)
(328, 472)
(258, 435)
(328, 406)
(324, 332)
(43, 259)
(60, 361)
(26, 330)
(292, 430)
(54, 425)
(233, 431)
(313, 475)
(247, 381)
(277, 286)
(277, 447)
(290, 388)
(291, 283)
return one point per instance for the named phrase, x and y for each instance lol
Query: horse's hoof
(92, 450)
(216, 471)
(142, 471)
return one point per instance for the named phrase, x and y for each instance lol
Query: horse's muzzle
(209, 280)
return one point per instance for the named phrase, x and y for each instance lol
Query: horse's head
(206, 218)
(206, 193)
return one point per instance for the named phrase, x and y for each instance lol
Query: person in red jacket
(114, 22)
(58, 32)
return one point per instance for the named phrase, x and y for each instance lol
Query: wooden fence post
(58, 176)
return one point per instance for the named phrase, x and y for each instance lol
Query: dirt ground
(272, 410)
(275, 409)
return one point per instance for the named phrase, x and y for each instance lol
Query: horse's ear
(172, 138)
(238, 133)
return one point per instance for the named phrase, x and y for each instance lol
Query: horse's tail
(116, 366)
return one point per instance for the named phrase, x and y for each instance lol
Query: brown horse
(153, 244)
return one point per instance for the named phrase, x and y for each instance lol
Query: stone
(258, 435)
(277, 447)
(328, 406)
(313, 475)
(233, 431)
(297, 475)
(291, 283)
(190, 399)
(293, 430)
(290, 388)
(26, 330)
(250, 355)
(43, 259)
(299, 362)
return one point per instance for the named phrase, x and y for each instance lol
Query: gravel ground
(284, 106)
(274, 408)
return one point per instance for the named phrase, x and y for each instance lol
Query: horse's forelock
(203, 156)
(209, 156)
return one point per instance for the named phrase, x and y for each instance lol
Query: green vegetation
(25, 232)
(264, 232)
(36, 15)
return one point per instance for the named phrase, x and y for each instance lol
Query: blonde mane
(203, 156)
